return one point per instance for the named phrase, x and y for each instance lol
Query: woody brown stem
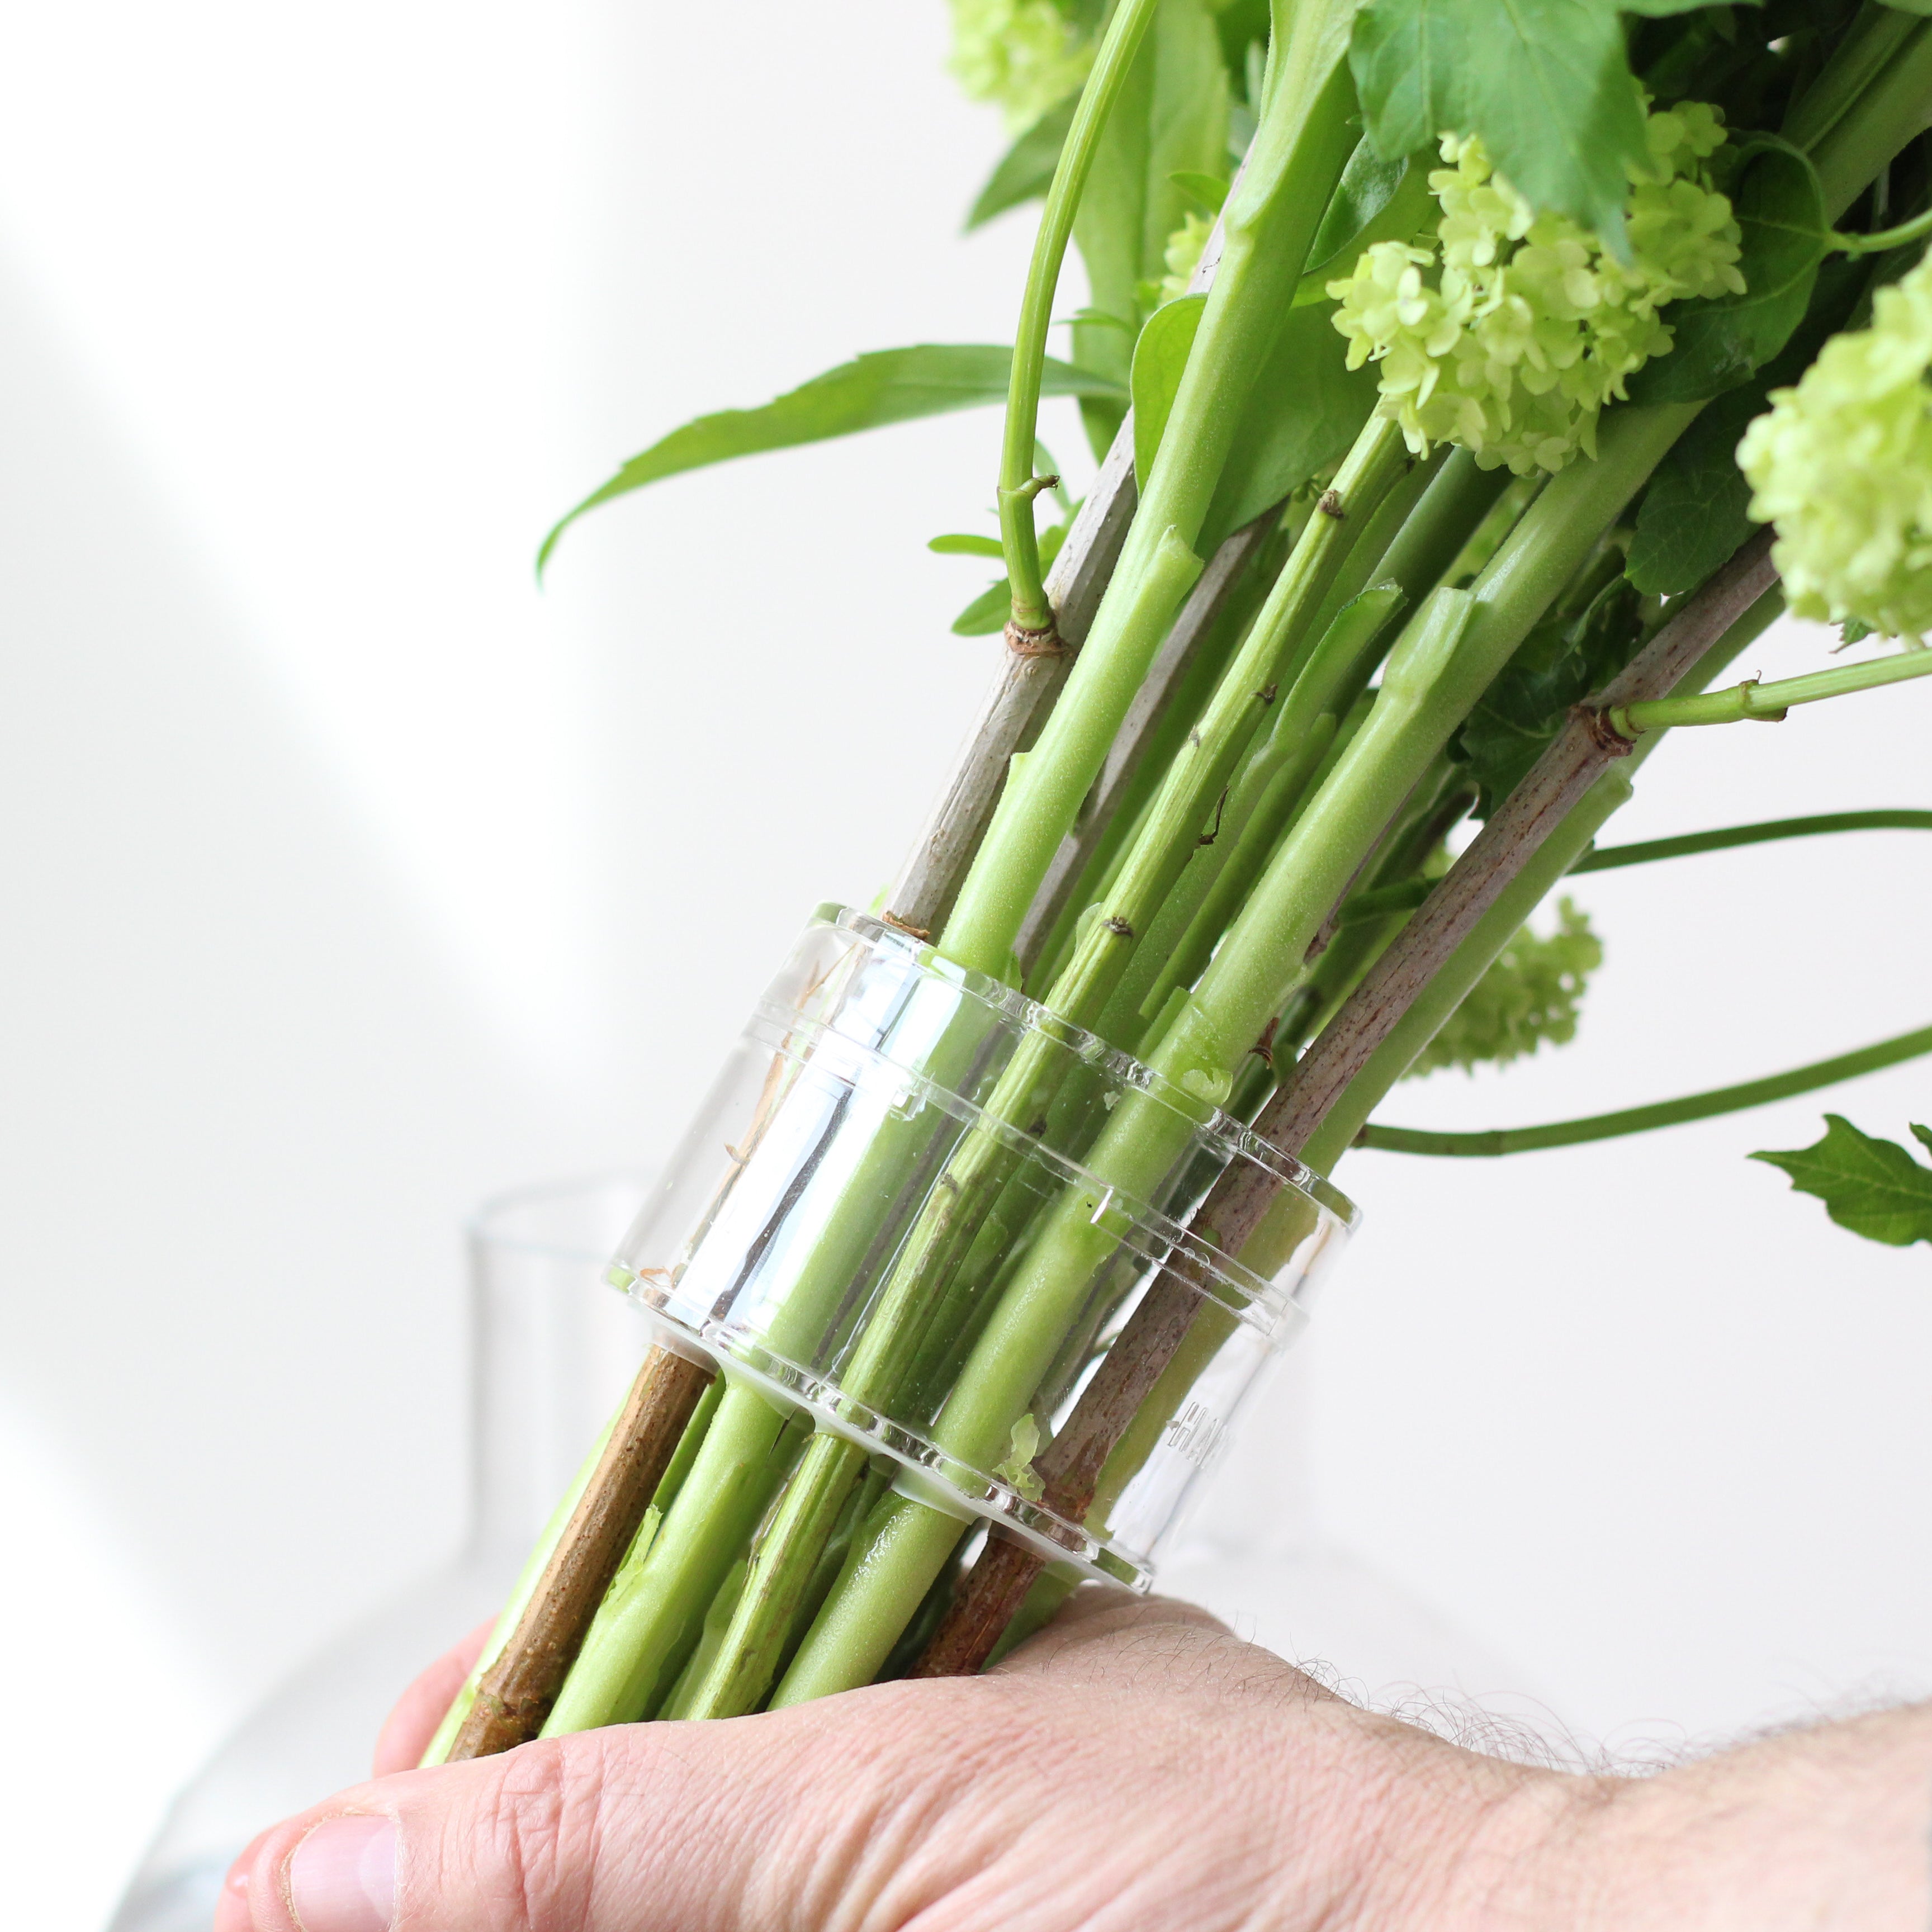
(1583, 750)
(515, 1694)
(1070, 1466)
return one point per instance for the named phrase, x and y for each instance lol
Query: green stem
(1687, 844)
(1906, 233)
(1872, 43)
(1208, 893)
(1768, 703)
(1890, 110)
(1031, 612)
(1452, 982)
(1297, 155)
(638, 1642)
(1659, 1114)
(762, 1622)
(1257, 963)
(1407, 894)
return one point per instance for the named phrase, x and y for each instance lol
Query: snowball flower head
(1507, 331)
(1842, 464)
(1185, 247)
(1023, 55)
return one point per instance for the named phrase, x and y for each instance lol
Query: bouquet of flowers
(1470, 384)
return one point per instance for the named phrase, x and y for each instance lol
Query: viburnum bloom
(1842, 464)
(1024, 55)
(1507, 331)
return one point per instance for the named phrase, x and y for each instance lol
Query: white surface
(346, 878)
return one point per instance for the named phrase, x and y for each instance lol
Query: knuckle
(532, 1842)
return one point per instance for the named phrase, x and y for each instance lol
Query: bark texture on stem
(1071, 1464)
(1584, 749)
(515, 1694)
(1016, 709)
(1177, 657)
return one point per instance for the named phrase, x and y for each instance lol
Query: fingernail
(342, 1877)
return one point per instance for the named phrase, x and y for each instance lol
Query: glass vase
(552, 1352)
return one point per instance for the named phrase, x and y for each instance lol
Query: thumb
(763, 1821)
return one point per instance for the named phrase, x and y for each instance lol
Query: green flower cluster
(1529, 324)
(1843, 465)
(1185, 247)
(1531, 994)
(1023, 55)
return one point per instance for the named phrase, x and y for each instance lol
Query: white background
(347, 878)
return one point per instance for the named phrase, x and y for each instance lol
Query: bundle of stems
(1309, 619)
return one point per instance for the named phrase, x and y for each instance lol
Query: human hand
(1135, 1767)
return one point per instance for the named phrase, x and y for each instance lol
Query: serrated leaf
(1025, 171)
(1721, 341)
(1873, 1187)
(1160, 361)
(1547, 84)
(1306, 407)
(886, 385)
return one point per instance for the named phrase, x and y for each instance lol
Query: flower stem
(1765, 703)
(1032, 614)
(1297, 155)
(1659, 1113)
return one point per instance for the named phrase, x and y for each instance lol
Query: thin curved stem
(1766, 832)
(1032, 614)
(1659, 1114)
(1906, 233)
(1406, 894)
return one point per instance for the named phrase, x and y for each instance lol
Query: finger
(231, 1908)
(676, 1827)
(406, 1731)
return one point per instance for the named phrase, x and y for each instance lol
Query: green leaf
(1533, 992)
(1306, 407)
(1513, 722)
(1171, 118)
(1657, 10)
(1545, 83)
(1720, 340)
(887, 385)
(1923, 7)
(965, 545)
(1693, 515)
(1872, 1186)
(1025, 171)
(1207, 192)
(1160, 360)
(1375, 201)
(987, 613)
